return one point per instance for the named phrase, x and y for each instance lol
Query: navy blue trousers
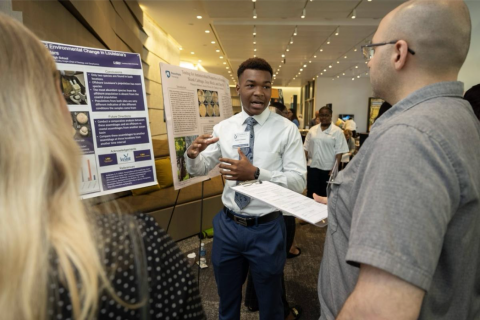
(236, 249)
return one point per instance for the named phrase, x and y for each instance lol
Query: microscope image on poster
(208, 105)
(73, 87)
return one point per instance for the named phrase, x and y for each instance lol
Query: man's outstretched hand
(200, 144)
(240, 170)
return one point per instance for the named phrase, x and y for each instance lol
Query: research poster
(194, 101)
(105, 94)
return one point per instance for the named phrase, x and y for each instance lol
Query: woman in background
(60, 260)
(292, 115)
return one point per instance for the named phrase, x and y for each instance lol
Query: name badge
(241, 140)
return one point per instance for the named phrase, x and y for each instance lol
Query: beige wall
(114, 25)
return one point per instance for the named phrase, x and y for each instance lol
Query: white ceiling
(231, 26)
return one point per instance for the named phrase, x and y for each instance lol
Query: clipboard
(285, 200)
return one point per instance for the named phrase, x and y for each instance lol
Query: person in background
(473, 96)
(292, 115)
(402, 239)
(59, 258)
(249, 234)
(313, 122)
(324, 144)
(346, 157)
(352, 126)
(280, 109)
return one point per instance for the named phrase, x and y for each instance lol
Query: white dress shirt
(323, 146)
(277, 152)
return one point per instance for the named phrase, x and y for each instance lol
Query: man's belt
(248, 222)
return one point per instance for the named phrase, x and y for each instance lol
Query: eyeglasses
(369, 49)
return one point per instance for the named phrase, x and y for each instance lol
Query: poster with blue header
(105, 94)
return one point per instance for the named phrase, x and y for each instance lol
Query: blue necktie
(241, 200)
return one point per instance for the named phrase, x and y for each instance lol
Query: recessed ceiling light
(330, 66)
(321, 74)
(324, 70)
(221, 57)
(180, 48)
(310, 61)
(343, 74)
(207, 31)
(283, 56)
(254, 30)
(353, 79)
(227, 67)
(255, 49)
(355, 50)
(328, 40)
(199, 60)
(192, 52)
(217, 50)
(304, 65)
(321, 50)
(338, 61)
(301, 70)
(213, 42)
(295, 32)
(224, 63)
(356, 67)
(314, 56)
(229, 71)
(199, 17)
(358, 77)
(254, 42)
(345, 57)
(338, 77)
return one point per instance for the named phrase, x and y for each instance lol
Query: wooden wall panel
(127, 35)
(157, 126)
(51, 21)
(136, 11)
(153, 70)
(124, 12)
(159, 43)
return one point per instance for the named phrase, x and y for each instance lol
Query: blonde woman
(58, 260)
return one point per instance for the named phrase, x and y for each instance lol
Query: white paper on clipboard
(286, 200)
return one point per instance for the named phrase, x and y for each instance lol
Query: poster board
(374, 105)
(105, 94)
(194, 102)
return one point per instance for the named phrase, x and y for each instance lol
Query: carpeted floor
(301, 274)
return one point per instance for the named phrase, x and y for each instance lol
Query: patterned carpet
(301, 274)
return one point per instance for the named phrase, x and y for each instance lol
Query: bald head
(437, 30)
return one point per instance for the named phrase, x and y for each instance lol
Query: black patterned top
(172, 289)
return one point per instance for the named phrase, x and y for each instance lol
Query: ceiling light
(358, 77)
(280, 66)
(229, 71)
(328, 40)
(283, 56)
(303, 13)
(330, 66)
(338, 77)
(337, 32)
(317, 76)
(224, 63)
(366, 73)
(321, 74)
(356, 67)
(199, 17)
(355, 50)
(353, 79)
(310, 61)
(291, 40)
(217, 50)
(207, 31)
(304, 65)
(254, 13)
(295, 32)
(314, 56)
(199, 60)
(321, 50)
(324, 70)
(227, 68)
(301, 70)
(354, 14)
(343, 74)
(213, 42)
(254, 55)
(255, 49)
(221, 57)
(314, 78)
(345, 57)
(287, 49)
(254, 30)
(254, 42)
(338, 61)
(180, 48)
(192, 52)
(254, 0)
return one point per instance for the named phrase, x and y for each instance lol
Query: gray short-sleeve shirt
(409, 204)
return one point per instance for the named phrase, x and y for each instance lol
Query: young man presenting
(249, 233)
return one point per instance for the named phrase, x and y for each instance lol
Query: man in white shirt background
(254, 144)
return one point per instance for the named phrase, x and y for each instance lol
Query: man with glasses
(404, 216)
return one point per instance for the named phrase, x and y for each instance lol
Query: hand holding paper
(240, 170)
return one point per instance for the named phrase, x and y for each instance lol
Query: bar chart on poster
(89, 175)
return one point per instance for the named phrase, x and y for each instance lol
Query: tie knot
(251, 121)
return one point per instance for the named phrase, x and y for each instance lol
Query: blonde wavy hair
(40, 209)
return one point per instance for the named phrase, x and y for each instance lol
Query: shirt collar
(436, 90)
(261, 118)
